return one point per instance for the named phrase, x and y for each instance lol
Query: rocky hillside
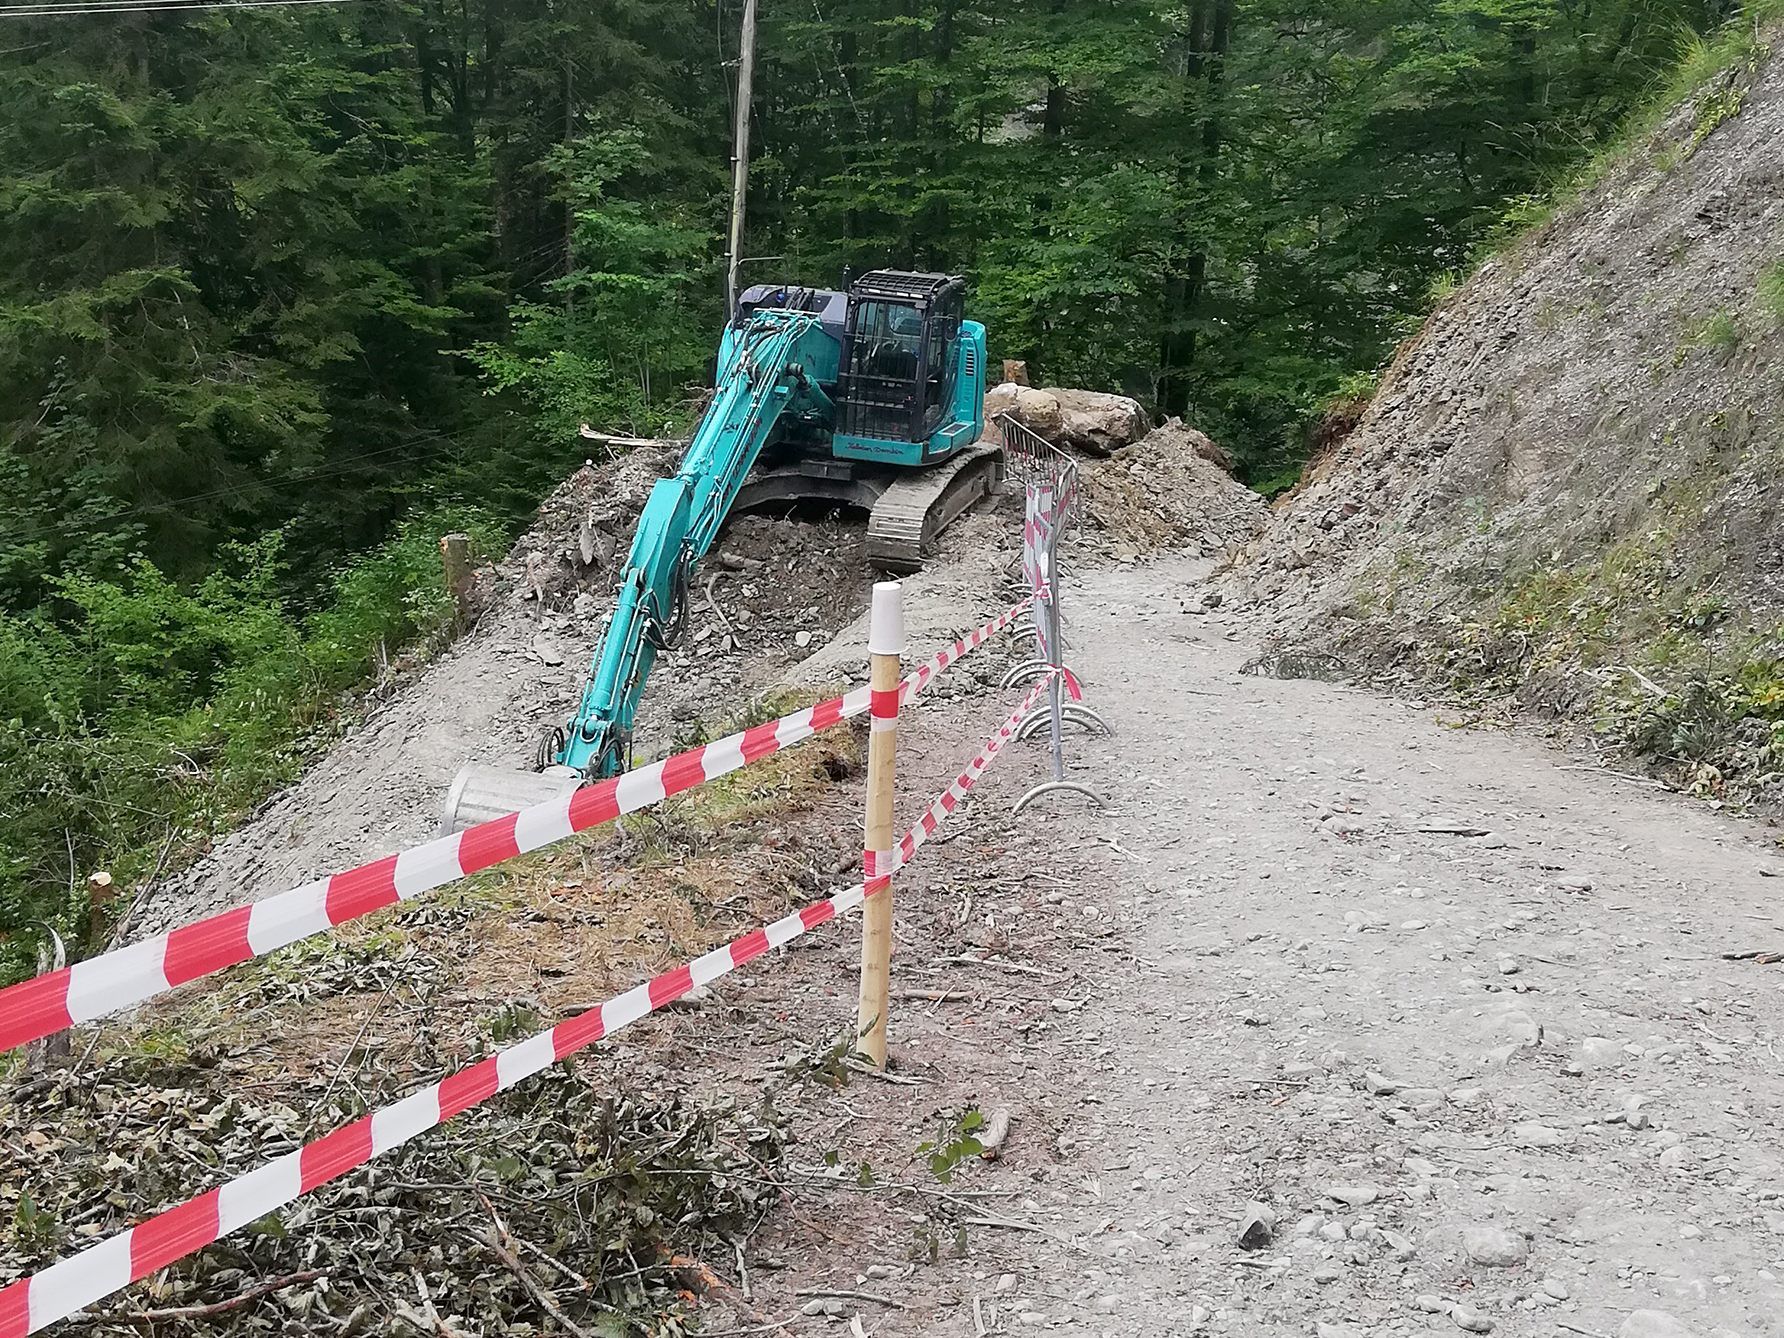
(1566, 494)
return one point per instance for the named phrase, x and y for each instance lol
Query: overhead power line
(69, 10)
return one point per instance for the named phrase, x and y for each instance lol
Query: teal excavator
(873, 398)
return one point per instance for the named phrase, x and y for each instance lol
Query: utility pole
(740, 153)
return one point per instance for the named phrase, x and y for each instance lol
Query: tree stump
(461, 581)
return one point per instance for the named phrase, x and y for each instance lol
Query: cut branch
(152, 1317)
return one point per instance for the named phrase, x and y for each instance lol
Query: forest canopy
(284, 289)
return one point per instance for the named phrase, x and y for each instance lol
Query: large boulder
(1036, 410)
(1079, 420)
(1096, 423)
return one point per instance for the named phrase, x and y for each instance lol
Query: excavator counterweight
(873, 398)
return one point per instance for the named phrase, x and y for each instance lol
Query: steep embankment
(772, 590)
(1566, 493)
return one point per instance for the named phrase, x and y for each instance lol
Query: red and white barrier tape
(39, 1300)
(920, 678)
(121, 979)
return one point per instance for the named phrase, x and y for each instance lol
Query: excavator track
(919, 504)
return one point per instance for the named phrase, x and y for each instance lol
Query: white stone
(1470, 1320)
(1596, 1052)
(1653, 1324)
(1494, 1247)
(1534, 1134)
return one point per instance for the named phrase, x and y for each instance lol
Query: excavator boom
(769, 373)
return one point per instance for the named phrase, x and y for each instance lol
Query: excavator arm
(770, 365)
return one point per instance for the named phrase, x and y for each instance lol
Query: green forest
(287, 290)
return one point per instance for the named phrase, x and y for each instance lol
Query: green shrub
(137, 715)
(1717, 331)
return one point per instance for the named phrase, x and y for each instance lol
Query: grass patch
(1770, 292)
(1444, 286)
(1715, 109)
(1718, 332)
(1523, 215)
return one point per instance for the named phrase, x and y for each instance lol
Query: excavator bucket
(480, 793)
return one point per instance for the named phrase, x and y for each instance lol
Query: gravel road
(1445, 1010)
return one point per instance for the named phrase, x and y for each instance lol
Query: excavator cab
(911, 386)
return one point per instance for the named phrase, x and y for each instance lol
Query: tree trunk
(939, 246)
(569, 190)
(1208, 38)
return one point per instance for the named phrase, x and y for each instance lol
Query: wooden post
(885, 643)
(100, 895)
(740, 153)
(455, 560)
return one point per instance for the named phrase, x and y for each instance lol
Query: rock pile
(1171, 490)
(585, 527)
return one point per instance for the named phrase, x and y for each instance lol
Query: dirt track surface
(1502, 1079)
(1499, 1082)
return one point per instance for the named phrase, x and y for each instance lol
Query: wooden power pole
(740, 153)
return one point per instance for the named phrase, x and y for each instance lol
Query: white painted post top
(885, 624)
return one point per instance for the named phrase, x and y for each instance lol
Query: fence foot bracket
(1053, 787)
(1070, 713)
(1027, 670)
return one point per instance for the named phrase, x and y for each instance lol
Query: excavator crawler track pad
(919, 505)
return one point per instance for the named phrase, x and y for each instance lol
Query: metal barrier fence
(1050, 507)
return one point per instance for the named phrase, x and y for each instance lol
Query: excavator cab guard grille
(898, 354)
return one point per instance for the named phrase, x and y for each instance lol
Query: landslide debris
(1566, 494)
(1170, 491)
